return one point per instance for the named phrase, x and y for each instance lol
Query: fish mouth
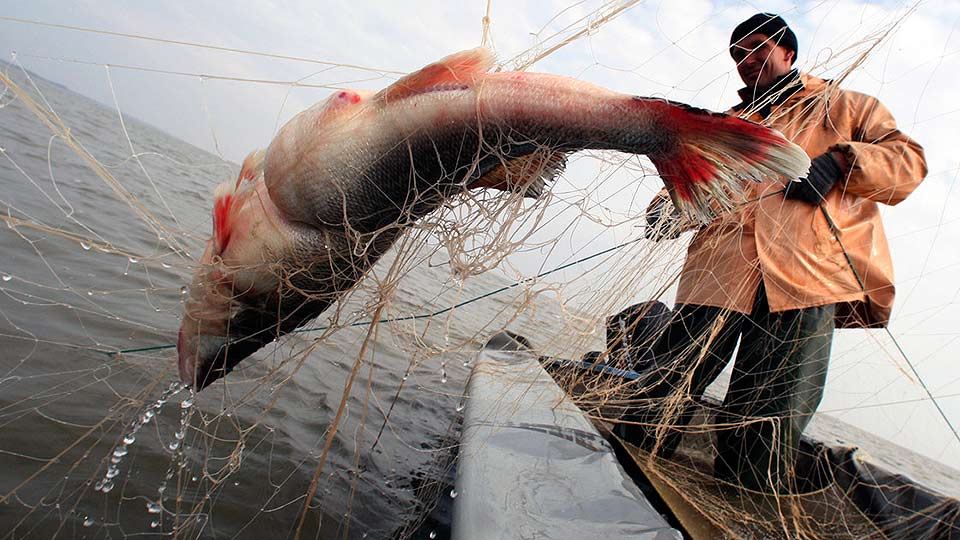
(205, 359)
(198, 357)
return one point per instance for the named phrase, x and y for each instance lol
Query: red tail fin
(714, 153)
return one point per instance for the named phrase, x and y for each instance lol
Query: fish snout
(221, 326)
(205, 356)
(197, 357)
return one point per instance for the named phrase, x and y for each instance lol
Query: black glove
(663, 222)
(824, 172)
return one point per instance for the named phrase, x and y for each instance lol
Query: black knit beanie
(770, 25)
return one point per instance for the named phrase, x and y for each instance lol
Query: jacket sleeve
(884, 164)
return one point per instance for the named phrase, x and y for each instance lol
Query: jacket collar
(762, 100)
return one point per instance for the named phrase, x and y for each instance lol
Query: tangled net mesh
(349, 427)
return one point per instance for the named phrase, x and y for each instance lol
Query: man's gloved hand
(824, 171)
(663, 221)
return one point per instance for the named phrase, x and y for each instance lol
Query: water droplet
(147, 416)
(187, 403)
(405, 376)
(6, 277)
(133, 260)
(194, 478)
(165, 265)
(453, 494)
(433, 534)
(174, 445)
(180, 435)
(153, 508)
(235, 484)
(85, 246)
(88, 521)
(107, 486)
(460, 407)
(183, 290)
(112, 472)
(154, 524)
(89, 293)
(116, 460)
(129, 438)
(120, 451)
(443, 376)
(99, 485)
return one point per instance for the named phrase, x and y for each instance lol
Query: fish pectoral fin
(458, 68)
(527, 175)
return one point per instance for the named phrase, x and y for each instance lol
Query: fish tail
(712, 154)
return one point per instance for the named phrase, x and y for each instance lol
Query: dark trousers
(777, 384)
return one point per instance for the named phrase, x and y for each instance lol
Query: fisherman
(781, 272)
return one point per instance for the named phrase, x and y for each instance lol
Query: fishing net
(349, 427)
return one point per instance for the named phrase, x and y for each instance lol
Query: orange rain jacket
(789, 244)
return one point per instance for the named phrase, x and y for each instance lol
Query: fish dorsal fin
(458, 68)
(527, 175)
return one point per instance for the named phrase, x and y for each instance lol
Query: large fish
(342, 180)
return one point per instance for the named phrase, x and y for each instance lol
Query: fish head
(231, 308)
(225, 319)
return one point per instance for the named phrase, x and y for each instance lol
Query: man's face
(760, 61)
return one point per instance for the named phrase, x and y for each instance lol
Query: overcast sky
(231, 103)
